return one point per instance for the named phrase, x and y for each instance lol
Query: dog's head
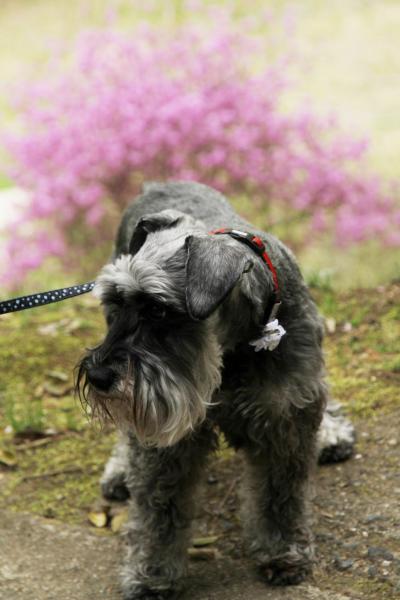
(170, 312)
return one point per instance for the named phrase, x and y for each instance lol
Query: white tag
(272, 335)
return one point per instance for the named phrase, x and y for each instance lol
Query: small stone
(373, 518)
(343, 564)
(378, 552)
(372, 572)
(325, 537)
(227, 525)
(211, 479)
(386, 563)
(351, 546)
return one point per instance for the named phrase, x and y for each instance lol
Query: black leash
(34, 300)
(43, 298)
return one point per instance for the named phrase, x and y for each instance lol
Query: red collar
(256, 244)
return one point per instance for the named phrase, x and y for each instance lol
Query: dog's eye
(157, 312)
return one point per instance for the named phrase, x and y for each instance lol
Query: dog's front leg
(275, 507)
(161, 483)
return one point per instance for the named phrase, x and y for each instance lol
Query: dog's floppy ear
(149, 224)
(212, 270)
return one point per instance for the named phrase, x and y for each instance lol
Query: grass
(38, 352)
(48, 481)
(362, 354)
(23, 417)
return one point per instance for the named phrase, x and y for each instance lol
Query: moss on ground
(56, 476)
(362, 352)
(59, 480)
(38, 352)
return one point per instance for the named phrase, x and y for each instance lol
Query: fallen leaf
(204, 541)
(98, 519)
(51, 329)
(7, 459)
(327, 515)
(57, 390)
(36, 443)
(38, 391)
(74, 325)
(118, 521)
(58, 375)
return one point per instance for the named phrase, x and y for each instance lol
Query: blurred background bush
(269, 107)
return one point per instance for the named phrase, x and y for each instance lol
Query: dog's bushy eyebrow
(112, 296)
(138, 300)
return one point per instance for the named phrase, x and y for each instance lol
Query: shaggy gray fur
(181, 307)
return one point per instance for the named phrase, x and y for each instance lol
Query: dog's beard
(159, 404)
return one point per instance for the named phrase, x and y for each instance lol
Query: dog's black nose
(100, 377)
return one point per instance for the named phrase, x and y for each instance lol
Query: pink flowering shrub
(140, 107)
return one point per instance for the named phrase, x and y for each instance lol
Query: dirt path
(49, 561)
(357, 529)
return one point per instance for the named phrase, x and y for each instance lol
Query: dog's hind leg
(161, 482)
(336, 436)
(113, 481)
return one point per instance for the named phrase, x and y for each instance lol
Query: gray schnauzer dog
(193, 347)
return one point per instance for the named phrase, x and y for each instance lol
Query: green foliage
(320, 280)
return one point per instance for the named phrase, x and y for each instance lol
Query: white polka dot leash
(34, 300)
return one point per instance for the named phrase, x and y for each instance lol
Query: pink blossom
(188, 105)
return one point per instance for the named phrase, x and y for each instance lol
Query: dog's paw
(336, 438)
(145, 593)
(336, 453)
(114, 488)
(277, 573)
